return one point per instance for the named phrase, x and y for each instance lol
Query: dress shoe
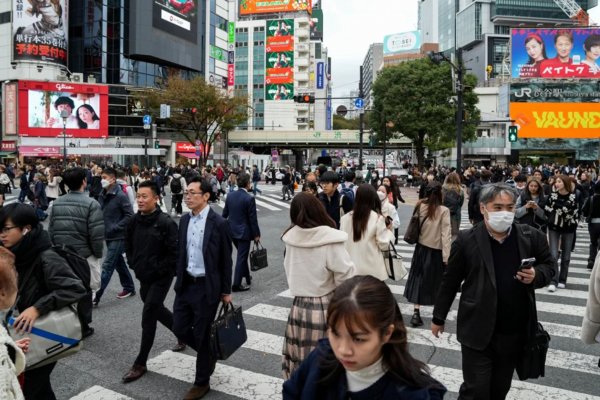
(87, 332)
(249, 280)
(416, 320)
(240, 288)
(134, 373)
(197, 392)
(179, 347)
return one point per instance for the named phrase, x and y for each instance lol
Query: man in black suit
(240, 210)
(203, 278)
(497, 299)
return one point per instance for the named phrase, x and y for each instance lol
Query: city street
(254, 372)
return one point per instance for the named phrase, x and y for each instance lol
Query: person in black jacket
(497, 300)
(475, 215)
(46, 283)
(591, 211)
(335, 203)
(151, 248)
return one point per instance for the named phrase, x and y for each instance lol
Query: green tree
(416, 96)
(340, 122)
(214, 112)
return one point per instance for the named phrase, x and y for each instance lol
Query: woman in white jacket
(316, 262)
(52, 188)
(388, 210)
(368, 233)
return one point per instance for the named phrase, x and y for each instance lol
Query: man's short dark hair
(350, 176)
(110, 172)
(322, 169)
(486, 175)
(74, 177)
(243, 179)
(149, 184)
(329, 176)
(121, 174)
(520, 178)
(64, 100)
(205, 185)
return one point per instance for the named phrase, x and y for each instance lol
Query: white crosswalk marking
(560, 313)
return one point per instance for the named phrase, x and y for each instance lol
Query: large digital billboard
(41, 31)
(41, 104)
(555, 92)
(177, 17)
(316, 25)
(555, 53)
(279, 77)
(248, 7)
(279, 92)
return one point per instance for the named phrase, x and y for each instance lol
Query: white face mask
(105, 183)
(381, 195)
(500, 221)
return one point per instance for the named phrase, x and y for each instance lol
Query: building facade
(372, 63)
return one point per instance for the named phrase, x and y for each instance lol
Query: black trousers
(241, 265)
(193, 313)
(594, 230)
(153, 294)
(84, 311)
(37, 383)
(488, 373)
(176, 200)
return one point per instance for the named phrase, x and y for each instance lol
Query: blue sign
(320, 75)
(359, 102)
(147, 119)
(329, 116)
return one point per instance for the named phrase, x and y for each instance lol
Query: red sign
(230, 74)
(10, 109)
(279, 43)
(277, 76)
(41, 104)
(40, 151)
(9, 145)
(186, 147)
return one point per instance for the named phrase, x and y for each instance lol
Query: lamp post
(64, 114)
(437, 58)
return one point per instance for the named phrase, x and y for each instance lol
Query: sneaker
(125, 293)
(552, 288)
(562, 286)
(178, 215)
(173, 212)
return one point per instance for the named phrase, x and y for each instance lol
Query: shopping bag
(258, 257)
(393, 263)
(227, 332)
(54, 336)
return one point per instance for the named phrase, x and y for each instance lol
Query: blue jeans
(114, 260)
(566, 245)
(255, 188)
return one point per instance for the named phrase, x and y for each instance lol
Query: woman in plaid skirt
(316, 262)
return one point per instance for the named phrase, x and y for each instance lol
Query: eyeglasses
(7, 229)
(186, 193)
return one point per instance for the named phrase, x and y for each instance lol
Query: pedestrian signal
(513, 133)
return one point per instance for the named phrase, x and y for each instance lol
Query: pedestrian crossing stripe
(100, 393)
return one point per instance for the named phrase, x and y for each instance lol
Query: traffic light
(192, 110)
(157, 144)
(304, 98)
(513, 133)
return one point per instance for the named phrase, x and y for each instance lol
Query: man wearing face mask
(496, 300)
(117, 213)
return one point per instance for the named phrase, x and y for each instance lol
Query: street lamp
(64, 114)
(438, 58)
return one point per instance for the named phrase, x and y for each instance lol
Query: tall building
(371, 65)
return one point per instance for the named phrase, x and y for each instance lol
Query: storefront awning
(191, 156)
(40, 151)
(8, 154)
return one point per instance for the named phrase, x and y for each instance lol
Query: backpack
(348, 192)
(452, 201)
(77, 263)
(176, 186)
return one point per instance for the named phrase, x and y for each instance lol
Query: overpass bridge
(310, 138)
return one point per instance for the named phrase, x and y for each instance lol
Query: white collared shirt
(195, 239)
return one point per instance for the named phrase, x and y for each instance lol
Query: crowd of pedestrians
(345, 336)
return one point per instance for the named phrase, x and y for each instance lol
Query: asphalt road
(254, 372)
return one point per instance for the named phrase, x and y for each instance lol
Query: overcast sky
(350, 26)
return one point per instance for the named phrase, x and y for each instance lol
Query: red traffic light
(194, 110)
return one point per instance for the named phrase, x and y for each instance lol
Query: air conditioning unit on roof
(77, 77)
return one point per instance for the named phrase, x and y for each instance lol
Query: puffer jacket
(52, 284)
(117, 212)
(151, 246)
(77, 221)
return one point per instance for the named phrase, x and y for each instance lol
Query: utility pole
(460, 108)
(361, 122)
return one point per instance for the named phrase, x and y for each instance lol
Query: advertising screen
(41, 31)
(177, 17)
(555, 53)
(316, 25)
(402, 43)
(556, 120)
(41, 104)
(279, 92)
(248, 7)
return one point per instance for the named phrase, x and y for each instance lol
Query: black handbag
(258, 257)
(532, 363)
(227, 332)
(413, 230)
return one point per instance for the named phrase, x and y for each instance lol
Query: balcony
(302, 32)
(302, 47)
(487, 145)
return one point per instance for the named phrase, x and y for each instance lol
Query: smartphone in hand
(527, 263)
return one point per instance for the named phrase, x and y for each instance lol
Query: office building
(371, 65)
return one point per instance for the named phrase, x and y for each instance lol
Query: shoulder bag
(227, 332)
(393, 263)
(258, 257)
(413, 230)
(532, 363)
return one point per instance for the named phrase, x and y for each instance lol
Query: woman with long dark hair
(315, 262)
(394, 197)
(51, 284)
(431, 252)
(368, 233)
(454, 199)
(365, 355)
(87, 117)
(530, 206)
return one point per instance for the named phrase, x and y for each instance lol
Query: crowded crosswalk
(569, 362)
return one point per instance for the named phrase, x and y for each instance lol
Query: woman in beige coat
(590, 330)
(431, 252)
(368, 233)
